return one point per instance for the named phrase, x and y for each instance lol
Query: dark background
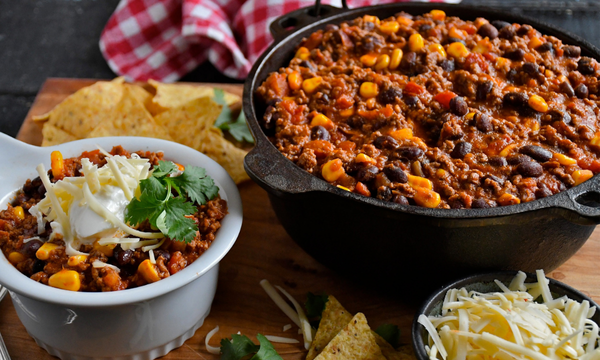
(59, 38)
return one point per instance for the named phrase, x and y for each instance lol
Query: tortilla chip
(186, 123)
(333, 319)
(230, 157)
(169, 96)
(129, 118)
(389, 352)
(353, 342)
(54, 136)
(141, 94)
(82, 111)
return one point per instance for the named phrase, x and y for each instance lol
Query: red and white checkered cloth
(166, 39)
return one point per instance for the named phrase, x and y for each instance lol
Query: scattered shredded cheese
(212, 349)
(281, 339)
(101, 264)
(287, 327)
(306, 329)
(509, 324)
(270, 290)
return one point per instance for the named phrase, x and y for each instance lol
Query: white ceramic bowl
(140, 323)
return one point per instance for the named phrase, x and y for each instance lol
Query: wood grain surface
(264, 251)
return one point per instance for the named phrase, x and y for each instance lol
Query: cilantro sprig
(240, 346)
(166, 200)
(238, 128)
(391, 334)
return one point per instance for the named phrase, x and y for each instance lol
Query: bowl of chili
(340, 227)
(146, 321)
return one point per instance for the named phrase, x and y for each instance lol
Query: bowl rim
(565, 201)
(438, 295)
(224, 240)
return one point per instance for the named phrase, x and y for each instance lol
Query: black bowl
(485, 283)
(367, 238)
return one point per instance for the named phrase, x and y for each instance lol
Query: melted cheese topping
(512, 325)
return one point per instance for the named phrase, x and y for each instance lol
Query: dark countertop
(59, 38)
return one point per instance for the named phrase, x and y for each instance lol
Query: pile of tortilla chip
(178, 112)
(343, 336)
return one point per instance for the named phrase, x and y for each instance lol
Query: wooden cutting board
(264, 251)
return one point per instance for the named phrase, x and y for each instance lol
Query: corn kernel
(16, 257)
(502, 63)
(371, 18)
(427, 198)
(43, 252)
(295, 80)
(105, 249)
(57, 164)
(76, 260)
(363, 158)
(538, 103)
(438, 48)
(564, 159)
(18, 210)
(508, 199)
(332, 170)
(506, 151)
(401, 134)
(535, 42)
(440, 173)
(403, 20)
(343, 187)
(66, 280)
(549, 73)
(457, 50)
(483, 46)
(415, 42)
(456, 33)
(438, 14)
(148, 271)
(310, 85)
(383, 61)
(322, 120)
(596, 139)
(581, 175)
(395, 59)
(419, 182)
(368, 89)
(347, 112)
(303, 53)
(369, 59)
(389, 27)
(469, 116)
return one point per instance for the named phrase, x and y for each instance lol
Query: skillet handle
(286, 23)
(583, 200)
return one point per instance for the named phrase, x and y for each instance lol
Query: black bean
(399, 199)
(123, 256)
(572, 51)
(480, 204)
(483, 122)
(537, 152)
(542, 192)
(451, 40)
(557, 115)
(517, 159)
(498, 161)
(531, 68)
(384, 193)
(488, 30)
(367, 173)
(581, 91)
(395, 174)
(545, 47)
(524, 30)
(516, 54)
(309, 65)
(162, 253)
(483, 89)
(447, 65)
(409, 59)
(331, 27)
(585, 65)
(461, 149)
(322, 98)
(566, 88)
(31, 247)
(499, 24)
(385, 142)
(410, 152)
(511, 76)
(507, 32)
(270, 118)
(319, 133)
(368, 25)
(389, 95)
(459, 106)
(38, 266)
(530, 169)
(411, 100)
(493, 178)
(515, 99)
(456, 203)
(30, 188)
(425, 27)
(41, 190)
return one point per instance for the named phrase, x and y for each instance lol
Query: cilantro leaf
(138, 210)
(266, 351)
(315, 304)
(391, 334)
(225, 115)
(238, 128)
(178, 226)
(198, 186)
(239, 347)
(164, 168)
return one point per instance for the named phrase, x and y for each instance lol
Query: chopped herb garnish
(166, 200)
(315, 304)
(240, 346)
(391, 334)
(238, 128)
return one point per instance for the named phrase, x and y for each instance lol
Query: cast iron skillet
(370, 238)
